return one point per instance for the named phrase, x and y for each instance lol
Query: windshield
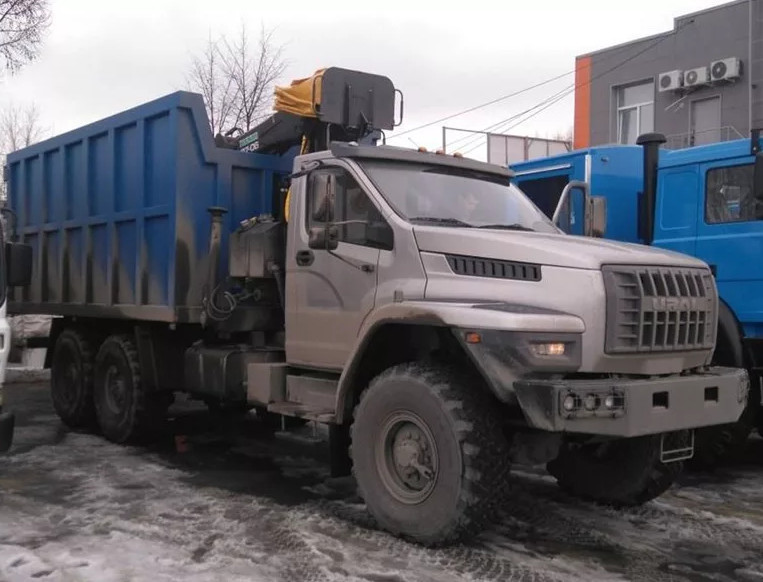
(435, 194)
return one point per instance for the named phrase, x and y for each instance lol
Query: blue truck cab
(705, 201)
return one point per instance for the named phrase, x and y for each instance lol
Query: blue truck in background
(705, 201)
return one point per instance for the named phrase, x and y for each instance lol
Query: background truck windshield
(455, 197)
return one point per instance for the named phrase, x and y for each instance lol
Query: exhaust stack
(651, 143)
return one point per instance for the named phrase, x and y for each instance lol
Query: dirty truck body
(438, 347)
(703, 201)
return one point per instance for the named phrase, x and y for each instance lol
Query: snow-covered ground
(244, 506)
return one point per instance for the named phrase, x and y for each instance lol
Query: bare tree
(206, 77)
(19, 127)
(565, 135)
(22, 25)
(237, 77)
(254, 70)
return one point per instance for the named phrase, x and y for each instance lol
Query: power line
(571, 88)
(498, 126)
(476, 107)
(495, 127)
(612, 53)
(546, 105)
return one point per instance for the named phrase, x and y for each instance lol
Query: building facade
(701, 82)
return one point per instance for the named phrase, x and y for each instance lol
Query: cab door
(730, 234)
(330, 292)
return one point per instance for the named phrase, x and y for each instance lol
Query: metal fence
(679, 141)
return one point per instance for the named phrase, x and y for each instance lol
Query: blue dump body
(705, 206)
(116, 211)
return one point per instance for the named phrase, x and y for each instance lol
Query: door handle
(305, 258)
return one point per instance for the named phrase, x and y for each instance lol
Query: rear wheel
(428, 453)
(125, 411)
(71, 379)
(621, 473)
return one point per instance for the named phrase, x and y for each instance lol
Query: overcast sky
(102, 56)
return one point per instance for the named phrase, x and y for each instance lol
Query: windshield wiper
(444, 221)
(507, 227)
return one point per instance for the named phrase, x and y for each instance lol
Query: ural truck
(704, 201)
(418, 304)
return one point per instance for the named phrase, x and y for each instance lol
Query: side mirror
(572, 185)
(18, 264)
(325, 238)
(596, 225)
(323, 198)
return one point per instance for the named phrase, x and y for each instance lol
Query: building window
(729, 195)
(635, 111)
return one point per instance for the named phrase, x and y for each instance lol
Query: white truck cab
(15, 270)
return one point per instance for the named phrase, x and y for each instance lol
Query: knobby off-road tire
(71, 379)
(126, 412)
(713, 444)
(459, 423)
(620, 473)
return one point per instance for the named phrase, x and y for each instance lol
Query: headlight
(549, 349)
(569, 403)
(524, 351)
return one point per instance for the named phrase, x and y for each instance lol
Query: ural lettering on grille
(653, 309)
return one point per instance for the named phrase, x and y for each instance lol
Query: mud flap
(675, 446)
(7, 422)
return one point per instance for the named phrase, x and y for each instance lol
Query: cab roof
(399, 154)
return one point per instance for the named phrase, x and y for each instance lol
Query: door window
(729, 195)
(335, 197)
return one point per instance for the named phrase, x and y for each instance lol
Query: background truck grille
(658, 309)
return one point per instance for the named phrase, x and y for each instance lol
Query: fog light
(591, 402)
(554, 349)
(609, 402)
(569, 403)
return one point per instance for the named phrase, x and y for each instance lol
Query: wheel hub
(70, 380)
(116, 389)
(407, 459)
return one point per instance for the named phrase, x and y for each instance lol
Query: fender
(449, 314)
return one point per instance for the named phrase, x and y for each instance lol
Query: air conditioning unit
(725, 69)
(698, 76)
(670, 81)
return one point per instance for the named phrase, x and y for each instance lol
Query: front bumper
(640, 406)
(7, 422)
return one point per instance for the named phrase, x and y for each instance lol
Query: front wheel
(621, 472)
(428, 453)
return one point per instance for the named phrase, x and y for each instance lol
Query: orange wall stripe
(582, 127)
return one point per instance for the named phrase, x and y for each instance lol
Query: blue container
(117, 211)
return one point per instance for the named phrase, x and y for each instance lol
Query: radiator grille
(658, 309)
(479, 267)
